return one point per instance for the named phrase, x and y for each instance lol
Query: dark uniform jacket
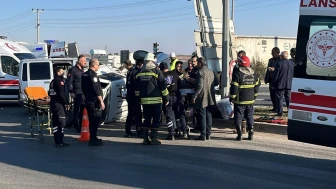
(150, 85)
(130, 79)
(174, 86)
(58, 91)
(244, 86)
(74, 80)
(272, 62)
(283, 75)
(91, 86)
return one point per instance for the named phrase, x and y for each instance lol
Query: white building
(260, 47)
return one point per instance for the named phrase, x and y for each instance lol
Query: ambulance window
(9, 65)
(39, 71)
(316, 48)
(24, 72)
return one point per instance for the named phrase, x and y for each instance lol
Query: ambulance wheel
(41, 137)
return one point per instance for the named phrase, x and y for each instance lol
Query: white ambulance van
(11, 53)
(312, 111)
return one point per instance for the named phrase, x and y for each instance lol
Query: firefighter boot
(250, 134)
(239, 133)
(146, 140)
(154, 134)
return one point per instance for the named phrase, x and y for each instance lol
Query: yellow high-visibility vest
(172, 64)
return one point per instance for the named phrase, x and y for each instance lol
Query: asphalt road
(270, 161)
(263, 98)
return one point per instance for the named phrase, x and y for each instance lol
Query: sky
(137, 24)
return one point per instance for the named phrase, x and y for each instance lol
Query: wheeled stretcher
(38, 103)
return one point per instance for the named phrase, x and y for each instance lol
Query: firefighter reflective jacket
(150, 85)
(244, 86)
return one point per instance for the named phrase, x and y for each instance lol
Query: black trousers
(152, 115)
(94, 114)
(180, 114)
(78, 111)
(205, 120)
(58, 121)
(273, 96)
(168, 111)
(134, 116)
(243, 111)
(279, 99)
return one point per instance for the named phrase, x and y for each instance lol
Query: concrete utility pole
(225, 87)
(232, 10)
(38, 23)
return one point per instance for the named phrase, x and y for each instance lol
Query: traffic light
(155, 47)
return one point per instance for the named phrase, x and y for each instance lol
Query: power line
(120, 21)
(22, 16)
(167, 11)
(127, 5)
(267, 5)
(13, 17)
(18, 25)
(127, 24)
(18, 29)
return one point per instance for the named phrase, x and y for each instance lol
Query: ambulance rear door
(40, 73)
(312, 111)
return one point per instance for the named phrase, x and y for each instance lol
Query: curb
(258, 126)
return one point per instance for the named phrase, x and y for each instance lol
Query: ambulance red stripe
(313, 100)
(312, 110)
(9, 82)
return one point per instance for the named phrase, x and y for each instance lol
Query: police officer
(58, 101)
(75, 90)
(150, 87)
(93, 100)
(244, 90)
(133, 103)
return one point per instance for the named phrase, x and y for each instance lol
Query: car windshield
(23, 56)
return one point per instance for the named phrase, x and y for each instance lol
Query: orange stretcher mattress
(36, 93)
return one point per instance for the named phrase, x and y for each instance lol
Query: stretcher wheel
(32, 134)
(41, 137)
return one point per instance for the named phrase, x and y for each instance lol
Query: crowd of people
(156, 89)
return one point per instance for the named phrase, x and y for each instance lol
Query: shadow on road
(131, 164)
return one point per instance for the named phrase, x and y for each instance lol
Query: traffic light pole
(155, 48)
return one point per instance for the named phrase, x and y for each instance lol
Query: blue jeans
(205, 118)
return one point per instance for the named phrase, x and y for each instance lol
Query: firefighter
(75, 90)
(93, 100)
(134, 106)
(150, 87)
(58, 102)
(244, 90)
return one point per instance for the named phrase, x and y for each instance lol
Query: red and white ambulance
(312, 110)
(11, 53)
